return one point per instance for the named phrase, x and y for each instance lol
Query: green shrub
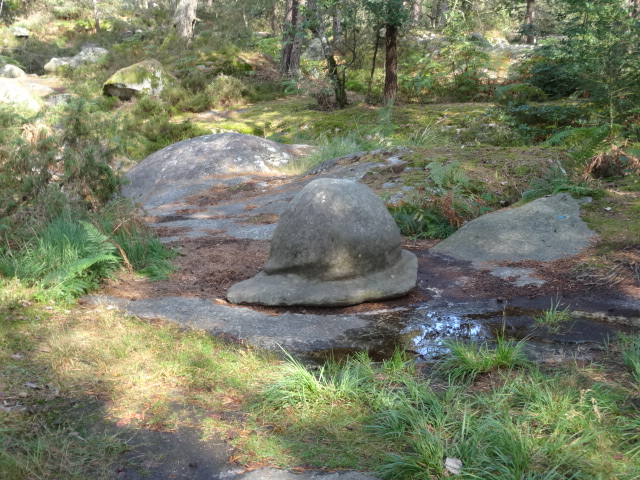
(421, 222)
(556, 180)
(159, 132)
(226, 90)
(147, 106)
(263, 90)
(64, 260)
(552, 71)
(518, 94)
(175, 95)
(553, 116)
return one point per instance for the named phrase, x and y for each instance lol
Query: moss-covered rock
(147, 77)
(14, 94)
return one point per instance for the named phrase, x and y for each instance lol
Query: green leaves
(390, 12)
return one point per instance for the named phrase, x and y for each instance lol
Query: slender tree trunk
(275, 26)
(391, 65)
(529, 20)
(634, 10)
(96, 17)
(317, 29)
(337, 26)
(373, 64)
(440, 13)
(185, 18)
(291, 40)
(416, 11)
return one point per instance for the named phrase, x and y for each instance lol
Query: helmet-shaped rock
(336, 244)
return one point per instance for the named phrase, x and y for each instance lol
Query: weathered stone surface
(147, 77)
(544, 230)
(335, 245)
(11, 71)
(14, 94)
(314, 50)
(20, 32)
(185, 168)
(88, 54)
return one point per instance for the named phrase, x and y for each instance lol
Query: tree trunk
(96, 17)
(185, 18)
(317, 29)
(440, 12)
(391, 65)
(634, 10)
(529, 20)
(275, 26)
(291, 40)
(416, 11)
(337, 26)
(373, 65)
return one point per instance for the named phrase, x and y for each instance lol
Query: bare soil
(208, 266)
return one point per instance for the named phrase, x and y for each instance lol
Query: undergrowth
(529, 424)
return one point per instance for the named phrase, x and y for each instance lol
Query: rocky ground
(221, 226)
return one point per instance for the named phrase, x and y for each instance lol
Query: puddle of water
(423, 332)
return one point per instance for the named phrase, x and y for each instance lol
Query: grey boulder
(185, 168)
(19, 32)
(144, 78)
(543, 230)
(11, 71)
(335, 245)
(16, 95)
(88, 54)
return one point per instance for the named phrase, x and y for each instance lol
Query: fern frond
(75, 269)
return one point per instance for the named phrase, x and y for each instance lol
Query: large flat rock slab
(187, 167)
(544, 230)
(292, 331)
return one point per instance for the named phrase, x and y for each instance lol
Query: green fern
(556, 181)
(448, 175)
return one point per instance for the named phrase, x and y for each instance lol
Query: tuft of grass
(468, 360)
(335, 146)
(553, 317)
(630, 346)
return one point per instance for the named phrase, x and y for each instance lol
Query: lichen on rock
(335, 245)
(147, 77)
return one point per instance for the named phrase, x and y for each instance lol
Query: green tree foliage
(598, 59)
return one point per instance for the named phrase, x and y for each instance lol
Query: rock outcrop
(16, 95)
(147, 77)
(11, 71)
(543, 230)
(88, 54)
(335, 245)
(185, 168)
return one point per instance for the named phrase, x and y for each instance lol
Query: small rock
(147, 77)
(11, 71)
(20, 32)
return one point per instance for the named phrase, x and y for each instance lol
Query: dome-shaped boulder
(335, 245)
